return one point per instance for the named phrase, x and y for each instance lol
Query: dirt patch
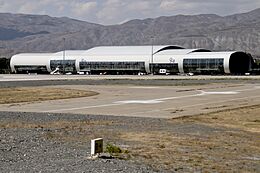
(30, 94)
(216, 107)
(175, 111)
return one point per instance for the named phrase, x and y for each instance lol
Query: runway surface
(149, 101)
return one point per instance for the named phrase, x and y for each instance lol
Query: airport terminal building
(168, 59)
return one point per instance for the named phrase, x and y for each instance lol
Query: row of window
(203, 65)
(189, 65)
(30, 69)
(133, 66)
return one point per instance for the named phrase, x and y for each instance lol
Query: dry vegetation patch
(245, 118)
(222, 152)
(223, 141)
(30, 94)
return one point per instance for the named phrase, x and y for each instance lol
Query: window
(69, 65)
(205, 65)
(115, 66)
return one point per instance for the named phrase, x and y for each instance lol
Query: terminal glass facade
(112, 66)
(169, 67)
(209, 66)
(30, 69)
(69, 65)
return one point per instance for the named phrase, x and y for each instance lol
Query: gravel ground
(27, 150)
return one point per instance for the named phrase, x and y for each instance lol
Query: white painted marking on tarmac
(153, 101)
(144, 87)
(218, 93)
(138, 101)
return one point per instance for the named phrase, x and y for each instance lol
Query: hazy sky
(119, 11)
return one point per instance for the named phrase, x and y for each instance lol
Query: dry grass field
(31, 94)
(224, 141)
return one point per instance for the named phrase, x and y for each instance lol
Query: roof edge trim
(168, 48)
(200, 50)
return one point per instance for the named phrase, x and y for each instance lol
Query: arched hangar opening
(240, 63)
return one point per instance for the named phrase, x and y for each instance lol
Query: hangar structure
(134, 59)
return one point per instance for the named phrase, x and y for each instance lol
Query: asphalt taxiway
(148, 101)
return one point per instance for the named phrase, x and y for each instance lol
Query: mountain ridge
(43, 33)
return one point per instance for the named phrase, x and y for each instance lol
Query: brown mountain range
(41, 33)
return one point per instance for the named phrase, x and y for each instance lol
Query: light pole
(152, 56)
(63, 61)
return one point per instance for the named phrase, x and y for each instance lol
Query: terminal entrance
(68, 65)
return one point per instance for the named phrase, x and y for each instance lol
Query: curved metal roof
(209, 54)
(180, 51)
(128, 50)
(32, 54)
(70, 52)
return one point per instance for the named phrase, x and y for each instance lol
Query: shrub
(113, 149)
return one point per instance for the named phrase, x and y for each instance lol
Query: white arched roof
(179, 51)
(70, 53)
(210, 54)
(127, 50)
(30, 59)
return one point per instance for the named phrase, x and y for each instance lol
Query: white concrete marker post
(96, 146)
